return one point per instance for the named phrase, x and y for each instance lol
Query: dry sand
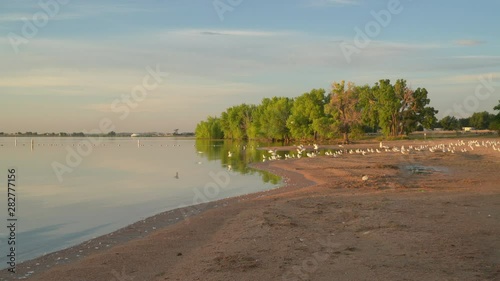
(325, 224)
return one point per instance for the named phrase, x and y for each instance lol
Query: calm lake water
(117, 182)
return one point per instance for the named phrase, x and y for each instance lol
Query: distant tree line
(109, 134)
(479, 121)
(347, 109)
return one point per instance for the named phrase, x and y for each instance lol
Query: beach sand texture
(423, 216)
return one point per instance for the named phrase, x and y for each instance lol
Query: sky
(160, 65)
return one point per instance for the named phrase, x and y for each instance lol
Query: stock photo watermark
(312, 263)
(49, 9)
(11, 219)
(482, 92)
(223, 6)
(120, 276)
(372, 29)
(121, 106)
(206, 194)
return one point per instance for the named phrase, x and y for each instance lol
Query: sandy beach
(420, 216)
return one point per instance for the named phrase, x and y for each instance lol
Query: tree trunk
(346, 138)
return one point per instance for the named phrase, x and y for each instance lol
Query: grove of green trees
(479, 120)
(393, 108)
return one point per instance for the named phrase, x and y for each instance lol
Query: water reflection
(235, 156)
(117, 184)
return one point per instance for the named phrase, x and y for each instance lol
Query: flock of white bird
(450, 147)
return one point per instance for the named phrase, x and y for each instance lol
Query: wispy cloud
(71, 12)
(10, 18)
(471, 79)
(242, 33)
(481, 57)
(468, 42)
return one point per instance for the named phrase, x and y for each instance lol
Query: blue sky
(66, 74)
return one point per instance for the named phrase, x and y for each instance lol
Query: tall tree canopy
(396, 109)
(273, 117)
(495, 123)
(344, 107)
(307, 108)
(450, 123)
(481, 120)
(209, 129)
(236, 121)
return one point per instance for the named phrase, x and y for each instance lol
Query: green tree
(307, 108)
(209, 129)
(344, 107)
(387, 106)
(273, 117)
(497, 107)
(236, 121)
(400, 109)
(421, 113)
(481, 120)
(368, 102)
(495, 123)
(324, 127)
(464, 122)
(450, 123)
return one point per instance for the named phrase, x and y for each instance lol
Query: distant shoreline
(103, 136)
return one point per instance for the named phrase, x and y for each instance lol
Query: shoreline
(149, 225)
(335, 203)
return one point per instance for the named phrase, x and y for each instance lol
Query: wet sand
(422, 216)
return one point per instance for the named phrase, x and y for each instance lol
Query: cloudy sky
(67, 65)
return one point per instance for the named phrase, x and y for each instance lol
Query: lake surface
(112, 183)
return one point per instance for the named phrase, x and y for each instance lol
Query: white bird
(229, 154)
(364, 178)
